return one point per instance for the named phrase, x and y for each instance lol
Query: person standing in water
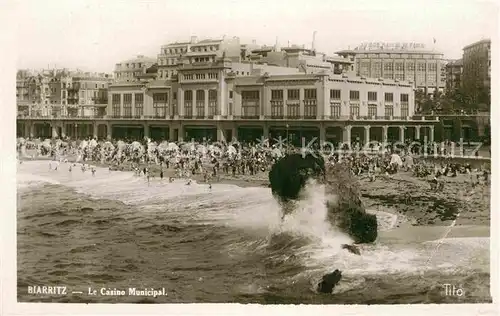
(93, 171)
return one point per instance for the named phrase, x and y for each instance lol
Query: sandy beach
(402, 194)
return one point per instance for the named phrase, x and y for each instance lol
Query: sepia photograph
(253, 152)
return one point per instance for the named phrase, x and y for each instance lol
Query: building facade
(400, 61)
(454, 71)
(129, 70)
(217, 90)
(60, 94)
(476, 78)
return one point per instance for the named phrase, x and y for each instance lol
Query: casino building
(206, 92)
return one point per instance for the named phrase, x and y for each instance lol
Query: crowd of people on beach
(209, 161)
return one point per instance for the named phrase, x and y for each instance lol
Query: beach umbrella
(231, 150)
(108, 146)
(135, 145)
(173, 146)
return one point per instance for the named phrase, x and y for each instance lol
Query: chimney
(194, 39)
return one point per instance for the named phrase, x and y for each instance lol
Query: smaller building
(476, 76)
(129, 70)
(454, 71)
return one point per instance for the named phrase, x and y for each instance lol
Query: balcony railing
(60, 116)
(72, 115)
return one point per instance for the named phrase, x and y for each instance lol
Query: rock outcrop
(289, 175)
(329, 281)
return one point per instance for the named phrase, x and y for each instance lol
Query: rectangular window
(334, 94)
(389, 97)
(354, 95)
(212, 103)
(127, 105)
(372, 96)
(188, 103)
(354, 110)
(250, 95)
(309, 94)
(139, 105)
(293, 94)
(115, 103)
(277, 108)
(404, 98)
(372, 110)
(276, 94)
(200, 103)
(335, 110)
(404, 110)
(389, 111)
(293, 110)
(230, 94)
(250, 103)
(160, 105)
(310, 108)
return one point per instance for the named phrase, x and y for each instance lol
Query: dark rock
(289, 175)
(329, 281)
(352, 249)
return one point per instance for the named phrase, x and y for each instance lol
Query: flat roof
(483, 41)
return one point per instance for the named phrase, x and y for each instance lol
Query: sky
(95, 35)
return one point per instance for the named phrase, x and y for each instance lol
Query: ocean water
(228, 244)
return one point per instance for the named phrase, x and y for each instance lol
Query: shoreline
(401, 194)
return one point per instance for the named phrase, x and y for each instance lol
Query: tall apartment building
(476, 77)
(400, 61)
(454, 71)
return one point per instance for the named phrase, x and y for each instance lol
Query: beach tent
(395, 159)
